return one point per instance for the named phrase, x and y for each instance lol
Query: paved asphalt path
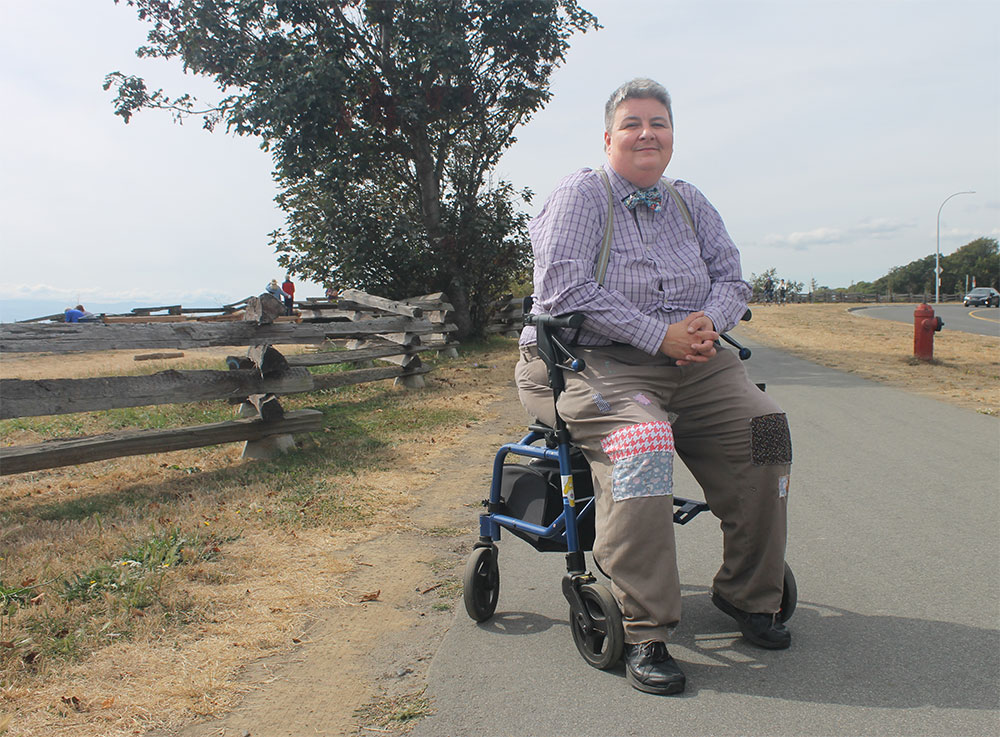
(980, 320)
(894, 540)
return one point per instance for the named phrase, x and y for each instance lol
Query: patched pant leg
(739, 450)
(628, 441)
(751, 504)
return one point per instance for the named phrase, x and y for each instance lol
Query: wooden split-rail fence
(356, 328)
(506, 316)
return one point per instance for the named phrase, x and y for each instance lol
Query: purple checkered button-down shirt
(658, 272)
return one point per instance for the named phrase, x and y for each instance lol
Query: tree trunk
(460, 301)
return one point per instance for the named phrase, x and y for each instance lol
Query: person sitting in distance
(275, 290)
(78, 314)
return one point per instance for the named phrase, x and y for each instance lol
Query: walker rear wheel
(789, 595)
(601, 645)
(481, 584)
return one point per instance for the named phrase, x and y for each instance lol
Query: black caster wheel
(481, 583)
(602, 646)
(789, 596)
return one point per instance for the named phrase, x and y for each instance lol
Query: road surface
(979, 320)
(894, 540)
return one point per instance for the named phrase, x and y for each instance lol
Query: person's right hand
(692, 340)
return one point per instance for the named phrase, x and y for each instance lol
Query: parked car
(983, 296)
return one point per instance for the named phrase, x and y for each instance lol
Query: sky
(829, 135)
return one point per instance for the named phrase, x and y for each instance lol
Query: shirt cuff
(717, 321)
(650, 336)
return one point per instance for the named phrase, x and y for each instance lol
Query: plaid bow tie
(650, 197)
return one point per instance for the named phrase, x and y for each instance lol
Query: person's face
(641, 141)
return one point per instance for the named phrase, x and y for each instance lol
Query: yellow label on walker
(567, 484)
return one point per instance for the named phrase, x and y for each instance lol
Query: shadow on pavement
(520, 623)
(843, 657)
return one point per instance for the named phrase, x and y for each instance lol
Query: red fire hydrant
(924, 327)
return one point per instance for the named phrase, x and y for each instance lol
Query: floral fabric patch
(643, 457)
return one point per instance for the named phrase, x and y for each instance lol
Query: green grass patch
(100, 604)
(135, 576)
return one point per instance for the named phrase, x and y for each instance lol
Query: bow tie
(650, 197)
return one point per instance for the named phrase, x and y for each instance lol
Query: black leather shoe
(763, 630)
(649, 668)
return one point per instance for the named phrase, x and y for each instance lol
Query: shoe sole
(674, 687)
(726, 608)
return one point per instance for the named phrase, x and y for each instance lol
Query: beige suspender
(602, 258)
(601, 267)
(681, 205)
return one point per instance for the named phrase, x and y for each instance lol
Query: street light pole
(937, 253)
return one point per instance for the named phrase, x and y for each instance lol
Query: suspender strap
(681, 205)
(601, 267)
(602, 259)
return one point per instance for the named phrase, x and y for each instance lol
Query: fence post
(269, 362)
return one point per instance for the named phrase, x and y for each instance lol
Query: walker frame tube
(566, 523)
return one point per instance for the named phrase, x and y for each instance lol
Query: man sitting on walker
(650, 265)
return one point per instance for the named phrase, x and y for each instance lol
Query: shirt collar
(622, 187)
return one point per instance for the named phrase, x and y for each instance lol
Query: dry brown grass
(267, 546)
(965, 370)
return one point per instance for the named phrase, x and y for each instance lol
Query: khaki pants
(630, 413)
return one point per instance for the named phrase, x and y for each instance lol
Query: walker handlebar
(551, 350)
(572, 320)
(743, 352)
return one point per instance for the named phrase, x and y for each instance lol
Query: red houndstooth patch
(647, 437)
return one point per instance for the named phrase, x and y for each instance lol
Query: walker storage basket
(531, 492)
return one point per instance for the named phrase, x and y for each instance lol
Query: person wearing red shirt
(288, 287)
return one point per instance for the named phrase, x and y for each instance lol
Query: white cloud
(826, 236)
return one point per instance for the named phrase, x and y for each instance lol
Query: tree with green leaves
(384, 119)
(978, 260)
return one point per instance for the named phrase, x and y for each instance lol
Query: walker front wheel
(481, 584)
(789, 595)
(597, 631)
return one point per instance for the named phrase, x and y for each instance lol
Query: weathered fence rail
(365, 328)
(89, 337)
(39, 397)
(506, 316)
(54, 453)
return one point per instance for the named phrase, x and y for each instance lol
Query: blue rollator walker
(549, 502)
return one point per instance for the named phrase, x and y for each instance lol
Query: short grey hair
(640, 88)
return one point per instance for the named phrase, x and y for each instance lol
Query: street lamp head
(937, 253)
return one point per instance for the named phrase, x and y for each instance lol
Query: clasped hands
(692, 340)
